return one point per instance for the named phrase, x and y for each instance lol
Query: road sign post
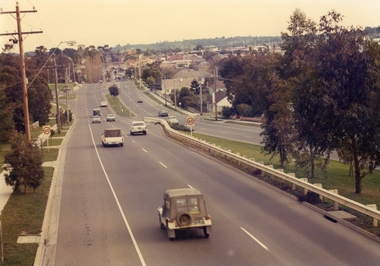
(190, 122)
(46, 130)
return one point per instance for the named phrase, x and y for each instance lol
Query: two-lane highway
(108, 212)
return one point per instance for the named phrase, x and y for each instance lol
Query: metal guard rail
(306, 185)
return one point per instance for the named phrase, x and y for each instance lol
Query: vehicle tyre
(144, 132)
(205, 232)
(161, 224)
(121, 144)
(184, 219)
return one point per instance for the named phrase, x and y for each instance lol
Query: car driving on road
(111, 117)
(162, 113)
(96, 119)
(184, 209)
(172, 120)
(138, 127)
(103, 104)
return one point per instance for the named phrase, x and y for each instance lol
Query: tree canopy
(321, 94)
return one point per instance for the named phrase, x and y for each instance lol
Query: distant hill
(221, 43)
(374, 32)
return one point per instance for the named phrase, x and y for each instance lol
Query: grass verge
(118, 106)
(23, 215)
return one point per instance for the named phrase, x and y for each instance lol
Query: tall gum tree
(347, 62)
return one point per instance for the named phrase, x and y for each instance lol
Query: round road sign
(190, 121)
(46, 130)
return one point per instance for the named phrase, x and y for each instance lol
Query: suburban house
(183, 79)
(220, 100)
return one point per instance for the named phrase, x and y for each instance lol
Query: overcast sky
(112, 22)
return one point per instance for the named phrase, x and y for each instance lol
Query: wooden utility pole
(22, 64)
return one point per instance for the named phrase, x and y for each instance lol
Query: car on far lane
(111, 117)
(162, 113)
(96, 119)
(172, 120)
(103, 104)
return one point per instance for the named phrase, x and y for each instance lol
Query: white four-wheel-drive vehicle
(112, 136)
(138, 127)
(184, 209)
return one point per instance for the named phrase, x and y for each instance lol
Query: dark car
(162, 113)
(184, 209)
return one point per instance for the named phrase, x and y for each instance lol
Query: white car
(138, 127)
(172, 120)
(96, 119)
(103, 104)
(111, 117)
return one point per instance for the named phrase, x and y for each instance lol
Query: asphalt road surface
(108, 212)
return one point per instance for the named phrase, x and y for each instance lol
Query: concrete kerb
(46, 248)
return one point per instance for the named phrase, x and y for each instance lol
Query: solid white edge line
(254, 238)
(118, 204)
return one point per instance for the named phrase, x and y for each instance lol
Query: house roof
(220, 95)
(191, 73)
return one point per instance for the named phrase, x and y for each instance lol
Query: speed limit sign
(190, 121)
(46, 130)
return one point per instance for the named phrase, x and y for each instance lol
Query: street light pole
(56, 98)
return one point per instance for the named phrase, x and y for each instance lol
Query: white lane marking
(163, 164)
(189, 186)
(118, 204)
(254, 238)
(144, 149)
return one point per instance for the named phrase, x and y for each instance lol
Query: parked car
(184, 209)
(96, 119)
(103, 104)
(111, 117)
(162, 113)
(138, 127)
(172, 120)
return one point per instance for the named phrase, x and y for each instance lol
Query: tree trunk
(312, 163)
(358, 178)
